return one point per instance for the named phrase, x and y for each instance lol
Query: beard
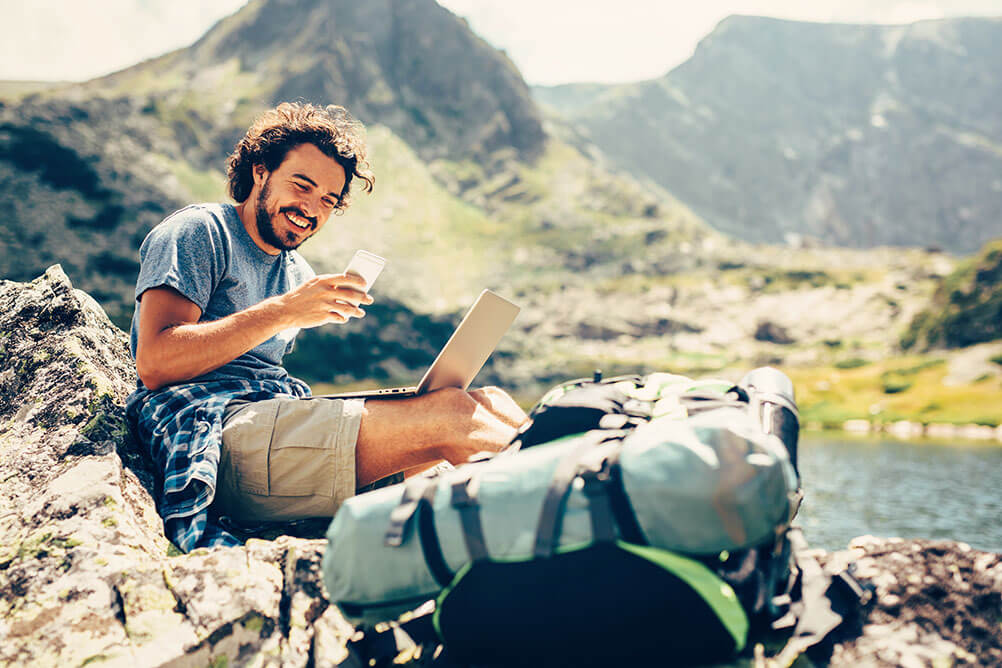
(268, 227)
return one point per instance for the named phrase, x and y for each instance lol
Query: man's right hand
(329, 298)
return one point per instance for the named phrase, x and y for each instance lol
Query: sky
(551, 41)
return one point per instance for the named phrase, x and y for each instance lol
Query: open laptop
(464, 353)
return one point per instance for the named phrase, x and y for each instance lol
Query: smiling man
(220, 297)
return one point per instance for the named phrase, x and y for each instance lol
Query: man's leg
(287, 458)
(450, 424)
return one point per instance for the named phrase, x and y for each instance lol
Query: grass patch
(909, 388)
(203, 186)
(851, 363)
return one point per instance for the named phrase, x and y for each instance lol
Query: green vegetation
(851, 363)
(426, 231)
(15, 90)
(908, 388)
(966, 308)
(202, 186)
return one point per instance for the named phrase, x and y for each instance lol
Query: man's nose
(310, 207)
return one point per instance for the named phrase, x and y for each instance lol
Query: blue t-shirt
(204, 252)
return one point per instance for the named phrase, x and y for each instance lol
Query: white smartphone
(367, 265)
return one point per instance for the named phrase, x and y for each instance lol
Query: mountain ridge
(776, 128)
(612, 271)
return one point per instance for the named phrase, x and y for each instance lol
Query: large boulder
(87, 576)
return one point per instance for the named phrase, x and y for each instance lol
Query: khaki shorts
(287, 459)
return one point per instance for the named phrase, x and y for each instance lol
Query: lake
(886, 487)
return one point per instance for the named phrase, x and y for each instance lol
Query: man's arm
(173, 346)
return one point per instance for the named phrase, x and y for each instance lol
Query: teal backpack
(633, 520)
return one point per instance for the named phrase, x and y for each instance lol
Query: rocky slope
(81, 184)
(87, 577)
(967, 306)
(859, 135)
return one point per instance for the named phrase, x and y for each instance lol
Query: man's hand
(324, 299)
(173, 346)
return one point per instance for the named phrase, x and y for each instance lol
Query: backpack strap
(551, 515)
(596, 477)
(464, 500)
(401, 518)
(416, 502)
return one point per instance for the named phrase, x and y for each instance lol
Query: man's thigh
(285, 459)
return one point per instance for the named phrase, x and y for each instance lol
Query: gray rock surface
(87, 576)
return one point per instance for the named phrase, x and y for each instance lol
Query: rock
(772, 333)
(936, 603)
(87, 576)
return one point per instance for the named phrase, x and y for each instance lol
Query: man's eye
(328, 202)
(300, 187)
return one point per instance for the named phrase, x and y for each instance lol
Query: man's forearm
(173, 346)
(182, 351)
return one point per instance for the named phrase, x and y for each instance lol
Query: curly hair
(277, 131)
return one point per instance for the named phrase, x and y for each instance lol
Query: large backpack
(632, 517)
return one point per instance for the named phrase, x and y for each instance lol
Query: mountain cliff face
(857, 135)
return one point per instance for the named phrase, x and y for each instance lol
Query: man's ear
(260, 174)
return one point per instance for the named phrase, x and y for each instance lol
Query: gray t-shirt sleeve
(188, 252)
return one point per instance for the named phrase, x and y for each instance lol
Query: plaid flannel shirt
(182, 428)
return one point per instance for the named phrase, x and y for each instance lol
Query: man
(221, 295)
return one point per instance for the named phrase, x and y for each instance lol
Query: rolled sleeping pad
(772, 391)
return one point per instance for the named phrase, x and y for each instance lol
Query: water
(886, 487)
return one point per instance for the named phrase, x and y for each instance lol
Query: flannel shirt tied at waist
(182, 429)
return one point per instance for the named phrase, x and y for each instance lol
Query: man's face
(296, 199)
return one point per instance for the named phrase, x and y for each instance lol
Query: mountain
(858, 135)
(475, 188)
(81, 183)
(408, 64)
(86, 170)
(471, 191)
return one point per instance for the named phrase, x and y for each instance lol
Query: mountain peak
(409, 64)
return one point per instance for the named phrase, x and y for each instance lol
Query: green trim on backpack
(460, 574)
(718, 594)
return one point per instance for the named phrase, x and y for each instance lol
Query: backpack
(631, 517)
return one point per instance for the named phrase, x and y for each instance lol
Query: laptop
(463, 355)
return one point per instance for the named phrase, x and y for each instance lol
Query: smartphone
(367, 265)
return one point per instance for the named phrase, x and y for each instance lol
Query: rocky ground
(87, 576)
